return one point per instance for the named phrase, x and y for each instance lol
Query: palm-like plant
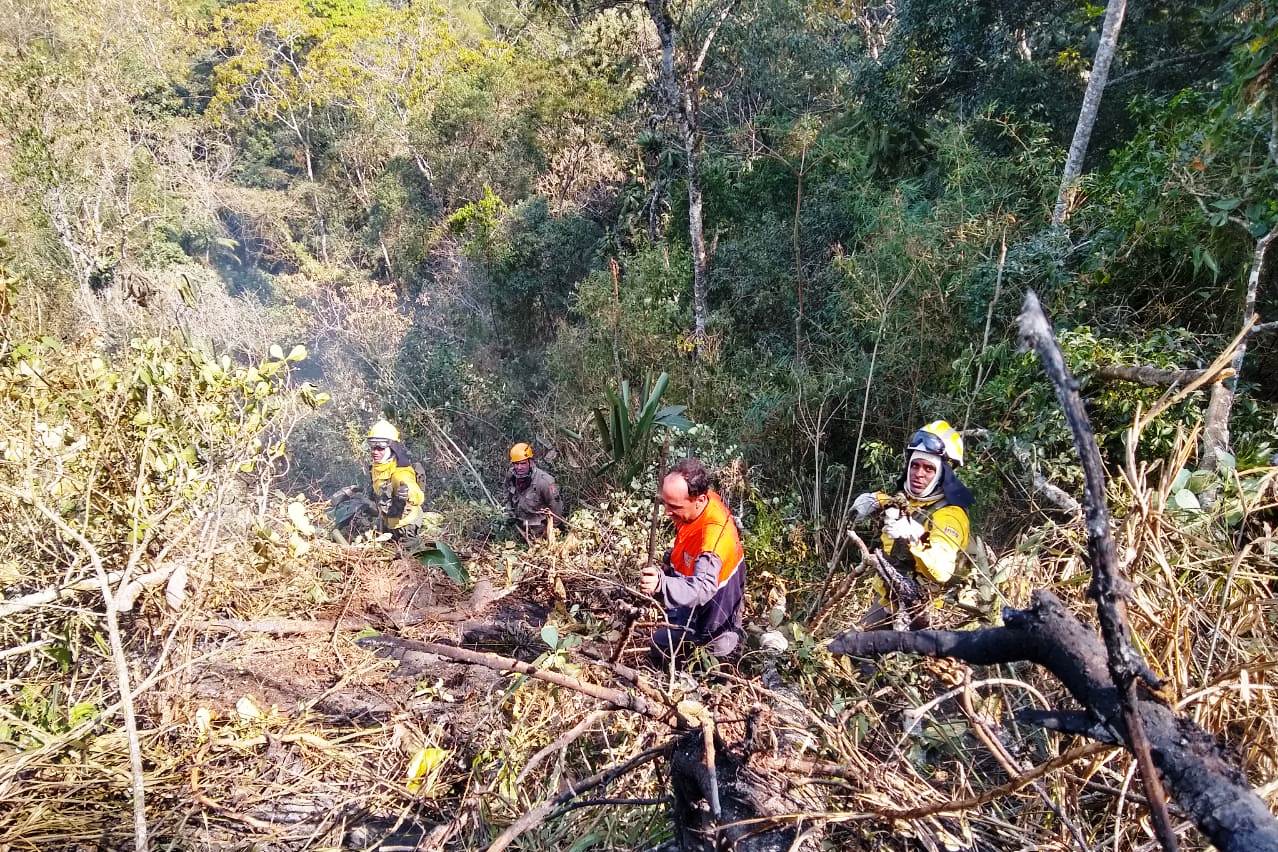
(627, 437)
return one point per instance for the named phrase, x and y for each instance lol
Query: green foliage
(442, 556)
(628, 428)
(129, 446)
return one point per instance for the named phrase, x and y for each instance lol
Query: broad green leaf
(440, 555)
(1186, 499)
(1200, 481)
(605, 435)
(586, 842)
(277, 352)
(550, 635)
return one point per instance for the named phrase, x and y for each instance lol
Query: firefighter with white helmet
(393, 484)
(924, 532)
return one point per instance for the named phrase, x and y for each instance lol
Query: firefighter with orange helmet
(531, 494)
(927, 526)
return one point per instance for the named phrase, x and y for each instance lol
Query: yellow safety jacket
(935, 556)
(394, 489)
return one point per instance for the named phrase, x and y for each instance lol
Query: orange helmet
(521, 452)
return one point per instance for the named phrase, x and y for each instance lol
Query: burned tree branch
(1108, 587)
(1157, 377)
(1212, 792)
(1071, 722)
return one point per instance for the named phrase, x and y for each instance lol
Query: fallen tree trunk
(1210, 789)
(1157, 377)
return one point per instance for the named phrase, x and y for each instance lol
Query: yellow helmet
(940, 439)
(382, 430)
(521, 452)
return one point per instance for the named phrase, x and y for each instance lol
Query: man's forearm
(696, 590)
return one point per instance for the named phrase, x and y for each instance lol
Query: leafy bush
(144, 461)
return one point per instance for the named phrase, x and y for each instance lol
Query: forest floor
(316, 706)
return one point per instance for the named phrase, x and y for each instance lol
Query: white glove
(773, 641)
(865, 505)
(904, 527)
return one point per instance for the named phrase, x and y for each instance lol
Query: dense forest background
(233, 234)
(430, 198)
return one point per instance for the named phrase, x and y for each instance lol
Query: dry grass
(282, 741)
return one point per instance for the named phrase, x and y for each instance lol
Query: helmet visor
(928, 443)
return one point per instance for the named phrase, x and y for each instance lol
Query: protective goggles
(377, 446)
(928, 443)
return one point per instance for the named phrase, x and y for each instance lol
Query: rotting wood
(1108, 588)
(1212, 792)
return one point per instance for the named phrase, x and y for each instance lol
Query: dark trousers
(677, 641)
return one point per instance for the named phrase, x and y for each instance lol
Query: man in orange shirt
(702, 584)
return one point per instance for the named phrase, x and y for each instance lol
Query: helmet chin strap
(932, 486)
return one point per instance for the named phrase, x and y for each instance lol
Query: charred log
(745, 795)
(1202, 780)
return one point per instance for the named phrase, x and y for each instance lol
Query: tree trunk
(1216, 422)
(681, 99)
(1091, 104)
(697, 237)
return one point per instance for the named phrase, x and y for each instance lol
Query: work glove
(905, 528)
(399, 501)
(865, 505)
(344, 494)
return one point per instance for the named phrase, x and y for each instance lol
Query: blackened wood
(1108, 587)
(1210, 789)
